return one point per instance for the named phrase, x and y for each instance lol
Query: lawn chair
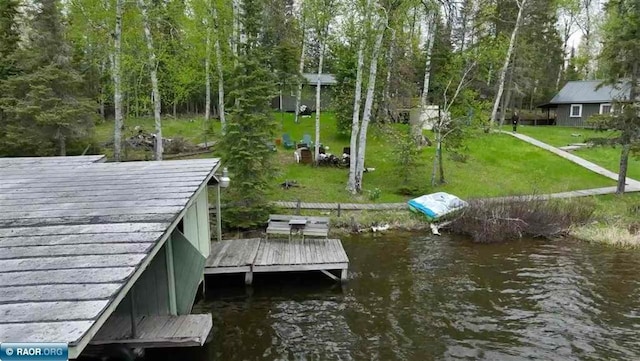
(306, 139)
(287, 142)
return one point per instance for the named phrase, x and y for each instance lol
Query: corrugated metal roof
(325, 79)
(587, 91)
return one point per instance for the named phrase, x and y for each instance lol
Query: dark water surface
(411, 297)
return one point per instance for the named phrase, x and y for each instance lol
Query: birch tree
(368, 104)
(424, 97)
(117, 82)
(507, 59)
(355, 121)
(207, 66)
(223, 122)
(301, 63)
(153, 73)
(323, 10)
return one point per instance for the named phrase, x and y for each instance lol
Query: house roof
(325, 79)
(588, 91)
(75, 233)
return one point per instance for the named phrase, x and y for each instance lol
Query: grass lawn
(605, 156)
(497, 164)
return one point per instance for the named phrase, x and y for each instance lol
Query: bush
(492, 221)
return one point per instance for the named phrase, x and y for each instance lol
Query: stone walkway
(632, 185)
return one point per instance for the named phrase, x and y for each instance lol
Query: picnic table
(306, 226)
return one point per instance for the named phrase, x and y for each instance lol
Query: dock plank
(157, 331)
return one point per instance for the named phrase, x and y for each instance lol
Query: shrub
(492, 221)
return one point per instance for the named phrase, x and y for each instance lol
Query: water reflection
(424, 298)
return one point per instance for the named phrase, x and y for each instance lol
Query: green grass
(605, 156)
(497, 164)
(558, 136)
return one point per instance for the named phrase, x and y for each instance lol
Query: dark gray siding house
(579, 100)
(288, 99)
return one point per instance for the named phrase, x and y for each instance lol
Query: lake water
(411, 297)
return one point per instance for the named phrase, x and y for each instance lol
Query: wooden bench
(314, 226)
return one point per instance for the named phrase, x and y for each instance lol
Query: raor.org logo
(34, 352)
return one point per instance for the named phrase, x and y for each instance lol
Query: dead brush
(492, 221)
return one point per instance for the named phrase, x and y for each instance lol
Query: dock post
(338, 209)
(248, 277)
(343, 275)
(218, 214)
(298, 208)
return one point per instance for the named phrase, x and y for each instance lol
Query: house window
(576, 111)
(605, 108)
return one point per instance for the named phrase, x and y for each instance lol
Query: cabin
(286, 101)
(579, 100)
(94, 254)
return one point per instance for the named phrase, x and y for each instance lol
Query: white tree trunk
(207, 77)
(223, 121)
(153, 70)
(427, 66)
(424, 98)
(355, 120)
(318, 91)
(300, 71)
(117, 83)
(368, 105)
(234, 32)
(505, 66)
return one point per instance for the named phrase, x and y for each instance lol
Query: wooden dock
(257, 255)
(156, 331)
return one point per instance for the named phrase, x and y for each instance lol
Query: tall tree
(44, 110)
(303, 49)
(219, 68)
(153, 73)
(363, 27)
(507, 59)
(244, 144)
(368, 104)
(9, 37)
(621, 52)
(116, 59)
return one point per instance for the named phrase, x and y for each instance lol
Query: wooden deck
(256, 255)
(75, 235)
(156, 331)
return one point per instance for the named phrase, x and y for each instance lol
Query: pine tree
(9, 36)
(244, 145)
(42, 105)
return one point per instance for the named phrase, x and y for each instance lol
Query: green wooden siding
(189, 268)
(204, 227)
(565, 120)
(196, 224)
(151, 290)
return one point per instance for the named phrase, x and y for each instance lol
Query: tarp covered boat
(436, 205)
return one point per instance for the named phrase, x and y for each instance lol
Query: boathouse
(95, 253)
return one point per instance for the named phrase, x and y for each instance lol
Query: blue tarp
(436, 205)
